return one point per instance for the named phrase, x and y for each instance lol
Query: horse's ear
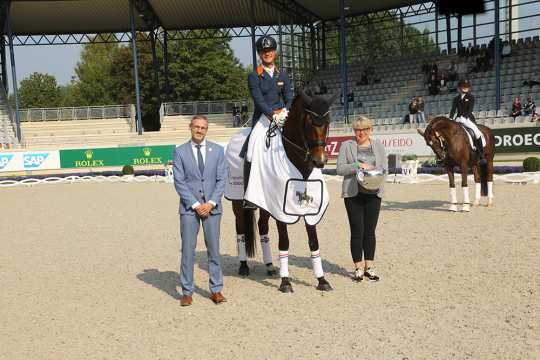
(307, 99)
(420, 131)
(332, 98)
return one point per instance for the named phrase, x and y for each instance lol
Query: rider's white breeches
(471, 125)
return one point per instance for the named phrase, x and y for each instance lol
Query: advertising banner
(29, 160)
(517, 140)
(102, 157)
(410, 143)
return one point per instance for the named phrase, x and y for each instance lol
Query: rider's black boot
(480, 151)
(247, 170)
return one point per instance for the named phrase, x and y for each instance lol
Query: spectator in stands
(434, 80)
(470, 51)
(462, 70)
(244, 113)
(420, 116)
(236, 115)
(530, 109)
(452, 71)
(323, 89)
(506, 49)
(516, 108)
(535, 79)
(413, 110)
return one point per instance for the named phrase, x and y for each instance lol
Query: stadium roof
(43, 17)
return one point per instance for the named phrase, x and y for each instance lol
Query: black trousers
(363, 212)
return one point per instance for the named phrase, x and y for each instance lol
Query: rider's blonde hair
(362, 122)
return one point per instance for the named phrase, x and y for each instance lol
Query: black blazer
(463, 107)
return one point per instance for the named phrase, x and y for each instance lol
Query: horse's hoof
(271, 270)
(466, 208)
(476, 203)
(286, 286)
(453, 207)
(489, 203)
(243, 270)
(324, 285)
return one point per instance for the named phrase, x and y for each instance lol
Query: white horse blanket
(275, 183)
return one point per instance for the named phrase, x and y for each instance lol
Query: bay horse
(304, 139)
(451, 146)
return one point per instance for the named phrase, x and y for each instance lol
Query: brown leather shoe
(218, 298)
(186, 300)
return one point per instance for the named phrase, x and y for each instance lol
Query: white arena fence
(515, 178)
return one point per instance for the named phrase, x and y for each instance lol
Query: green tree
(38, 91)
(93, 80)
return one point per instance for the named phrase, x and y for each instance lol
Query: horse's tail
(249, 234)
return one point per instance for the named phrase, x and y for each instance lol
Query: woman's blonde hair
(362, 122)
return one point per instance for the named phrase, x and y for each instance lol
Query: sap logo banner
(5, 160)
(34, 160)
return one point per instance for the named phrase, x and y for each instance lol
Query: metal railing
(203, 107)
(76, 113)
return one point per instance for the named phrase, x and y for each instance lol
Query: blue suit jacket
(269, 93)
(189, 183)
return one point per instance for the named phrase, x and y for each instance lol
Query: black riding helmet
(464, 86)
(266, 42)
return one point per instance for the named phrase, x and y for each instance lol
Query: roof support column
(253, 47)
(459, 33)
(280, 44)
(448, 35)
(135, 67)
(155, 65)
(402, 32)
(436, 13)
(13, 72)
(4, 67)
(166, 65)
(323, 45)
(313, 44)
(474, 29)
(293, 55)
(497, 55)
(343, 59)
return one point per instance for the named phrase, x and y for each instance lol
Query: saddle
(470, 136)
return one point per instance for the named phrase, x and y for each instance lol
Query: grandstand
(387, 102)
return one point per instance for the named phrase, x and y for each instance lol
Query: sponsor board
(410, 143)
(103, 157)
(29, 160)
(517, 140)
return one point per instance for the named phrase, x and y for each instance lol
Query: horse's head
(435, 140)
(316, 121)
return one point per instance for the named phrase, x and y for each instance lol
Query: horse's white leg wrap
(453, 199)
(265, 245)
(490, 193)
(317, 264)
(466, 201)
(241, 247)
(284, 263)
(477, 193)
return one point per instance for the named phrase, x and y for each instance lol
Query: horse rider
(462, 112)
(271, 91)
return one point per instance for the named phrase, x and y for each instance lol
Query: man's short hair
(198, 117)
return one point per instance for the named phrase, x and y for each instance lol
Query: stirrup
(248, 205)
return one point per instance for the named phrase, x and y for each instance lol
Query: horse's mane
(440, 123)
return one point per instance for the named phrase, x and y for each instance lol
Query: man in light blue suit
(199, 179)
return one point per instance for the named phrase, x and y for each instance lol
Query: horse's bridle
(317, 120)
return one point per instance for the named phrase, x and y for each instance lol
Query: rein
(308, 144)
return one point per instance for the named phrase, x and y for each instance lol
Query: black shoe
(371, 275)
(244, 269)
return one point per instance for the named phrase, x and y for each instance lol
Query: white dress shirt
(203, 152)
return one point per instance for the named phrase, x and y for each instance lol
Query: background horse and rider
(304, 140)
(450, 143)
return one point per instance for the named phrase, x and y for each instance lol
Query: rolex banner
(103, 157)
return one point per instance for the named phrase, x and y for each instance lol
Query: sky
(61, 60)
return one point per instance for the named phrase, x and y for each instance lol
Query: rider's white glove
(281, 117)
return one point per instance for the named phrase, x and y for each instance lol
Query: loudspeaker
(460, 7)
(393, 161)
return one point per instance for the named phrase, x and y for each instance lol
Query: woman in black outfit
(362, 205)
